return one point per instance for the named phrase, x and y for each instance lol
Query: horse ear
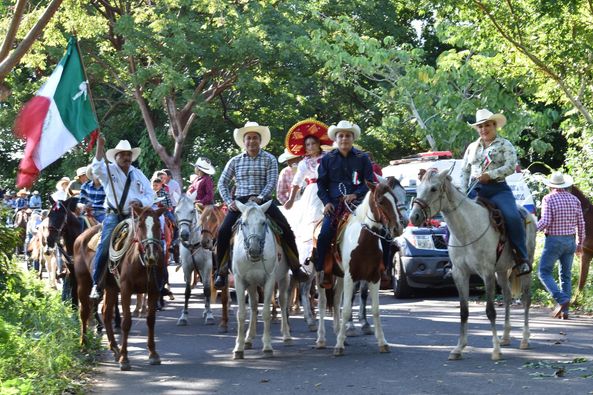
(137, 209)
(444, 174)
(240, 206)
(51, 200)
(192, 195)
(266, 206)
(392, 182)
(371, 185)
(200, 207)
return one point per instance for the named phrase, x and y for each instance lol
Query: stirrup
(520, 269)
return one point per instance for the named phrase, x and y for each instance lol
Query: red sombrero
(295, 138)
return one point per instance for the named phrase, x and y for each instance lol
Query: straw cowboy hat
(122, 146)
(483, 115)
(81, 171)
(63, 183)
(286, 156)
(558, 180)
(22, 192)
(295, 138)
(343, 126)
(263, 131)
(203, 164)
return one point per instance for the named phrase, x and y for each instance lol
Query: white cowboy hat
(123, 145)
(483, 115)
(22, 192)
(204, 165)
(558, 180)
(343, 126)
(263, 131)
(287, 155)
(35, 192)
(63, 180)
(89, 172)
(81, 171)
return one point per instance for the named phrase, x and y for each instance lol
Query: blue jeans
(500, 194)
(326, 235)
(102, 254)
(557, 248)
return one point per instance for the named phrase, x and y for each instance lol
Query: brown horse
(587, 254)
(20, 219)
(140, 270)
(212, 216)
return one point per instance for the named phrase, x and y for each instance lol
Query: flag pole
(89, 91)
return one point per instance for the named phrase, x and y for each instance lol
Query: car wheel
(401, 289)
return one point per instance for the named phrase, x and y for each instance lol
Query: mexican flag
(58, 118)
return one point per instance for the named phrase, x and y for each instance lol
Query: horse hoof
(455, 356)
(496, 356)
(384, 348)
(268, 353)
(238, 355)
(181, 322)
(154, 360)
(209, 320)
(366, 329)
(351, 332)
(320, 345)
(312, 327)
(287, 340)
(339, 352)
(248, 345)
(125, 366)
(524, 345)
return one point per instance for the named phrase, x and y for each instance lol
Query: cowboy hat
(35, 192)
(122, 146)
(89, 172)
(203, 164)
(22, 192)
(63, 180)
(286, 156)
(263, 131)
(343, 126)
(295, 138)
(81, 171)
(483, 115)
(558, 180)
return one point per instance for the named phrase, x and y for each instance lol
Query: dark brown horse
(140, 270)
(588, 242)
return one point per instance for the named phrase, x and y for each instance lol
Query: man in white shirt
(127, 187)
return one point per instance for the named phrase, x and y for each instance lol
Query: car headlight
(422, 241)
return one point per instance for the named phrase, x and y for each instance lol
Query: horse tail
(329, 297)
(516, 288)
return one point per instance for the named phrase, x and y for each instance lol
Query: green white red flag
(58, 118)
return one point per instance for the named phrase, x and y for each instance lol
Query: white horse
(194, 256)
(362, 254)
(258, 260)
(472, 249)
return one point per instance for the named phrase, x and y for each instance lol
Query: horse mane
(585, 202)
(363, 208)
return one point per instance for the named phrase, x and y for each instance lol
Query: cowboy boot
(522, 268)
(221, 276)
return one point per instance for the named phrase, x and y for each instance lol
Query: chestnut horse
(139, 269)
(587, 254)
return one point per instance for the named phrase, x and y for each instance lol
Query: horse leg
(350, 327)
(109, 302)
(489, 282)
(238, 352)
(585, 262)
(283, 286)
(379, 335)
(506, 296)
(153, 296)
(362, 312)
(126, 325)
(526, 301)
(338, 293)
(305, 289)
(182, 321)
(346, 312)
(320, 343)
(267, 317)
(208, 316)
(224, 300)
(252, 328)
(85, 311)
(462, 284)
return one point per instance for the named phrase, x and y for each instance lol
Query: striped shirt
(562, 215)
(166, 202)
(254, 176)
(93, 195)
(284, 184)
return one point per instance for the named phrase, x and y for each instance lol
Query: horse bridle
(247, 239)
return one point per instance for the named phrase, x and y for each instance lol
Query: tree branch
(19, 10)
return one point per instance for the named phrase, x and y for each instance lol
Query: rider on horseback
(255, 172)
(125, 186)
(342, 176)
(498, 156)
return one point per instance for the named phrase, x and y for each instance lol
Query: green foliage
(39, 334)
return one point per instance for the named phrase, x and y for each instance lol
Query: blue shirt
(95, 196)
(21, 203)
(352, 171)
(35, 201)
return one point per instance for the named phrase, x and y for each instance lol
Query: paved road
(421, 332)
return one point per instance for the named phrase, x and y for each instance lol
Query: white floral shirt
(501, 163)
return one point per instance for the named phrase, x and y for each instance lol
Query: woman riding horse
(489, 160)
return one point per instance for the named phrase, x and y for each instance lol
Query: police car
(421, 259)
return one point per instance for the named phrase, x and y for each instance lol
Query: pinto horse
(587, 254)
(139, 269)
(194, 254)
(258, 260)
(362, 254)
(473, 249)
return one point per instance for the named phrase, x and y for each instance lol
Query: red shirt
(205, 187)
(562, 215)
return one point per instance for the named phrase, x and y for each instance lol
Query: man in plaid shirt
(561, 218)
(92, 195)
(255, 173)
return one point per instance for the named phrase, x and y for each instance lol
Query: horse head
(400, 195)
(253, 226)
(149, 234)
(188, 218)
(212, 217)
(58, 216)
(383, 206)
(429, 196)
